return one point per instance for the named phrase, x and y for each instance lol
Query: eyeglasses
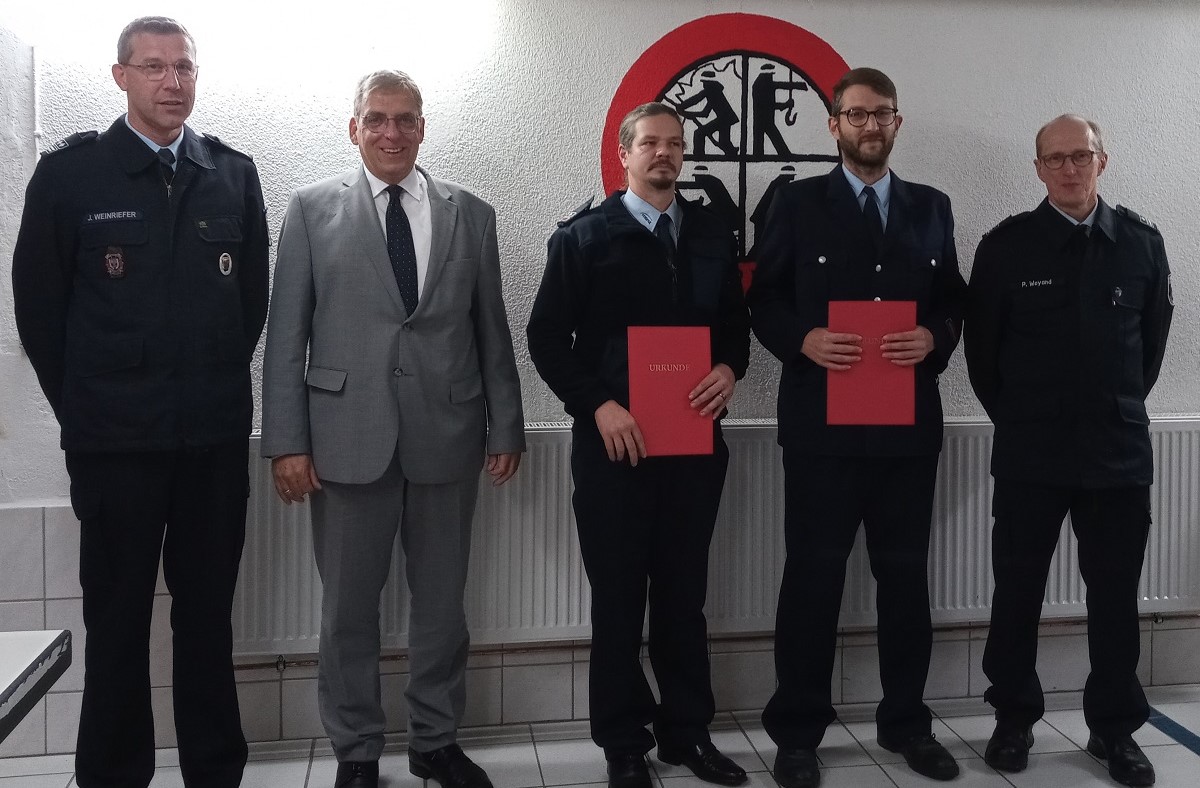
(858, 117)
(377, 122)
(157, 72)
(1080, 158)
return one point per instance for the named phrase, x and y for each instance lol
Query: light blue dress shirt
(1089, 220)
(154, 146)
(648, 215)
(883, 192)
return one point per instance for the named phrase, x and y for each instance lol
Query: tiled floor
(531, 756)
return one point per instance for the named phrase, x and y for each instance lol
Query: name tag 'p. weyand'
(1037, 282)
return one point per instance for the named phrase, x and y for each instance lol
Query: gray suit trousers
(354, 528)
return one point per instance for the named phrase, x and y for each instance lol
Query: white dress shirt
(415, 202)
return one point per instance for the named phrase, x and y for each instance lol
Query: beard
(853, 152)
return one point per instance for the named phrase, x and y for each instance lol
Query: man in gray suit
(388, 281)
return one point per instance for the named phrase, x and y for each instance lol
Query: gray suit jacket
(349, 376)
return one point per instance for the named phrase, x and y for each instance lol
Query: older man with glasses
(1065, 335)
(140, 286)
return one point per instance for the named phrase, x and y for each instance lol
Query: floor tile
(571, 762)
(976, 731)
(275, 774)
(975, 774)
(867, 736)
(393, 772)
(40, 764)
(733, 743)
(1074, 769)
(855, 777)
(1072, 725)
(509, 765)
(37, 781)
(754, 780)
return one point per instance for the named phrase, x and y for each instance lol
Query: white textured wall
(516, 94)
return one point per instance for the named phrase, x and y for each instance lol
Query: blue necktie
(401, 250)
(871, 214)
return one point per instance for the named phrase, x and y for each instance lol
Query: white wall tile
(29, 737)
(742, 680)
(949, 667)
(1176, 656)
(163, 707)
(259, 703)
(22, 616)
(161, 646)
(68, 614)
(395, 705)
(537, 692)
(62, 553)
(301, 717)
(484, 697)
(582, 692)
(21, 559)
(62, 721)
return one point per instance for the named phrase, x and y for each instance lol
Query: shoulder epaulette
(70, 142)
(1136, 217)
(1011, 220)
(583, 208)
(213, 138)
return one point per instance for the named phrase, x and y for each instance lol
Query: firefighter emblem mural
(754, 93)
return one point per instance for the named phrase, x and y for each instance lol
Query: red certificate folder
(665, 364)
(873, 390)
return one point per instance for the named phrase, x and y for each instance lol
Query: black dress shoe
(628, 771)
(705, 761)
(357, 774)
(1127, 764)
(1008, 749)
(448, 765)
(925, 756)
(796, 768)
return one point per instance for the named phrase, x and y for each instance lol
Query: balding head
(1069, 120)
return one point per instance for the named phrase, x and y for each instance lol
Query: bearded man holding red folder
(857, 234)
(644, 257)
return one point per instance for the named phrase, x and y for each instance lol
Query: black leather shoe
(925, 756)
(705, 761)
(357, 774)
(1127, 764)
(1008, 749)
(448, 765)
(628, 771)
(796, 768)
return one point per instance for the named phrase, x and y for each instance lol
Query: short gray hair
(1092, 125)
(385, 79)
(628, 128)
(155, 26)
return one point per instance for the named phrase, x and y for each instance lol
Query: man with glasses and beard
(140, 288)
(1070, 309)
(643, 257)
(858, 233)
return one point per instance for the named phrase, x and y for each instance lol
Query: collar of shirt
(1089, 220)
(416, 207)
(883, 192)
(154, 146)
(413, 184)
(648, 215)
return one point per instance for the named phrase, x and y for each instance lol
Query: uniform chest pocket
(112, 250)
(223, 235)
(1131, 295)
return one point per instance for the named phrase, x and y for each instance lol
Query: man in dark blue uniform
(858, 234)
(1070, 308)
(140, 286)
(645, 523)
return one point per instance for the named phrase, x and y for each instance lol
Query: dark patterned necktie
(401, 250)
(874, 221)
(166, 165)
(662, 229)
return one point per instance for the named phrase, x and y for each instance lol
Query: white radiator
(528, 584)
